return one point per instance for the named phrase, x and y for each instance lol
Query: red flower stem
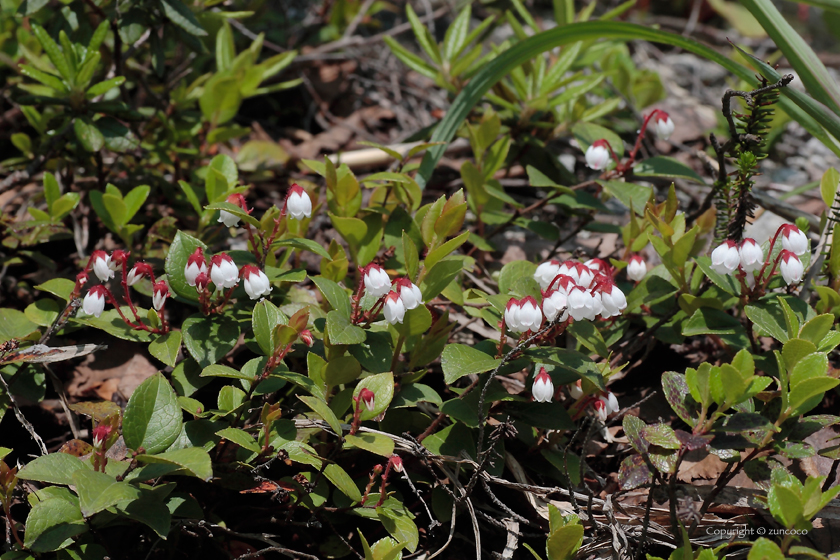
(632, 156)
(260, 258)
(224, 303)
(383, 487)
(374, 311)
(113, 302)
(357, 416)
(769, 254)
(267, 243)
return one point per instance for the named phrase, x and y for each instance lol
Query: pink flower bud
(397, 463)
(100, 435)
(307, 338)
(367, 397)
(201, 281)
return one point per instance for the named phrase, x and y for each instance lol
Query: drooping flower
(794, 240)
(195, 265)
(581, 274)
(546, 272)
(543, 387)
(725, 258)
(527, 316)
(582, 304)
(160, 292)
(598, 266)
(232, 220)
(394, 308)
(368, 398)
(555, 306)
(94, 302)
(636, 268)
(223, 271)
(377, 281)
(663, 125)
(137, 272)
(605, 405)
(409, 293)
(791, 267)
(612, 299)
(598, 155)
(751, 255)
(575, 390)
(298, 203)
(255, 282)
(397, 463)
(102, 265)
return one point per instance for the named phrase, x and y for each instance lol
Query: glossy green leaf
(166, 347)
(152, 418)
(459, 360)
(208, 339)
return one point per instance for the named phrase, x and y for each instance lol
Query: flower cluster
(298, 205)
(104, 267)
(394, 298)
(599, 153)
(224, 274)
(571, 288)
(747, 261)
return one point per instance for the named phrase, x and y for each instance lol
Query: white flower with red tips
(410, 293)
(523, 315)
(102, 265)
(94, 302)
(394, 308)
(613, 300)
(255, 282)
(160, 292)
(137, 272)
(581, 274)
(663, 125)
(598, 266)
(791, 267)
(726, 258)
(636, 268)
(232, 220)
(547, 272)
(196, 264)
(598, 155)
(555, 306)
(543, 387)
(794, 240)
(223, 271)
(751, 255)
(575, 390)
(606, 405)
(298, 203)
(377, 282)
(582, 304)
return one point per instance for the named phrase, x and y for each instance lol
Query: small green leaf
(152, 416)
(88, 135)
(241, 438)
(193, 461)
(166, 347)
(323, 410)
(342, 331)
(335, 295)
(209, 339)
(98, 491)
(459, 360)
(378, 444)
(179, 14)
(176, 261)
(55, 468)
(52, 524)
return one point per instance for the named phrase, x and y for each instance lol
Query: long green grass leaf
(802, 57)
(506, 61)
